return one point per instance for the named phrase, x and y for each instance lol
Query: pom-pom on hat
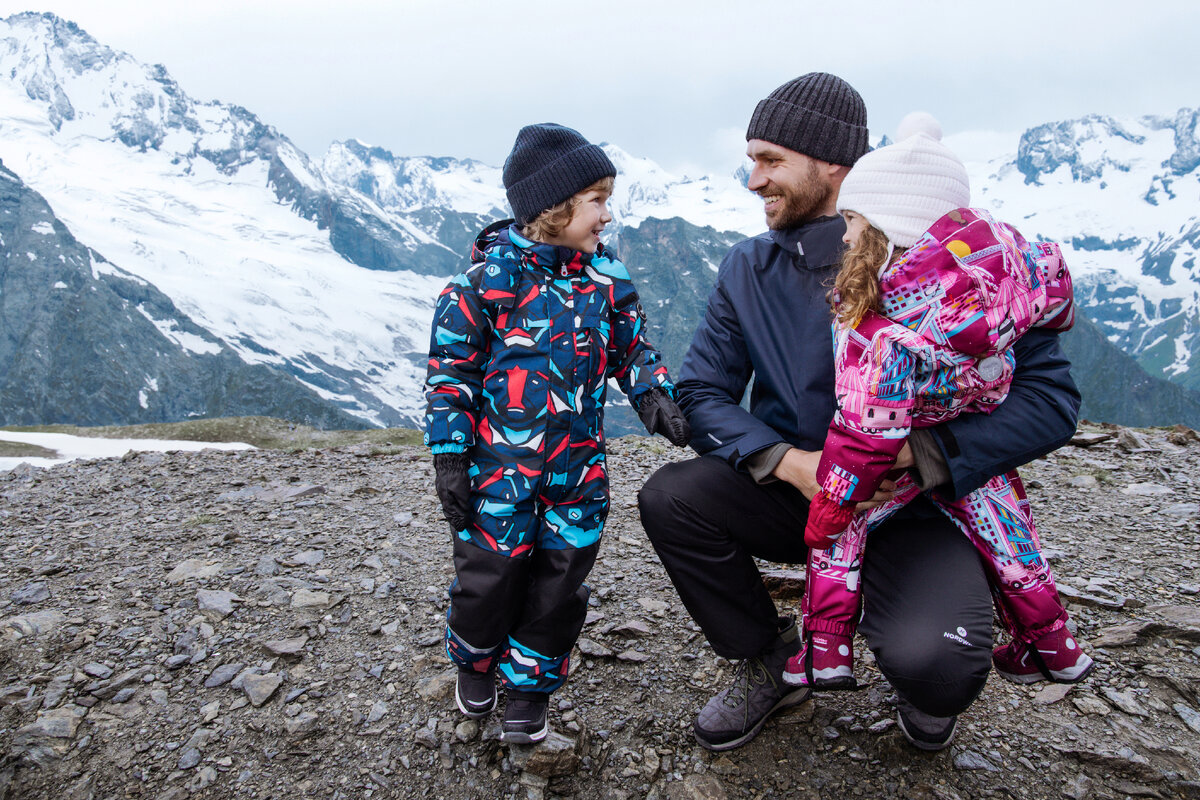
(904, 188)
(547, 165)
(817, 114)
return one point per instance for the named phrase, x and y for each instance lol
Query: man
(927, 606)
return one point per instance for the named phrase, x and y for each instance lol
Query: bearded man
(927, 607)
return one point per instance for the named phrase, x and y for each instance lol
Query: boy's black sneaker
(524, 718)
(925, 731)
(475, 692)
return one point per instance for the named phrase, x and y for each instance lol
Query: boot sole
(477, 713)
(521, 737)
(1055, 677)
(793, 698)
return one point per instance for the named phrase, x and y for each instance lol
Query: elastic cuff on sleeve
(929, 469)
(761, 465)
(438, 449)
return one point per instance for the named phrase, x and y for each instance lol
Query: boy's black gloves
(453, 487)
(660, 415)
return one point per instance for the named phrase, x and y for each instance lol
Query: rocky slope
(266, 624)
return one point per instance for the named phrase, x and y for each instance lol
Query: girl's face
(855, 225)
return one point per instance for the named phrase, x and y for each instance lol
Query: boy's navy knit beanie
(547, 165)
(817, 114)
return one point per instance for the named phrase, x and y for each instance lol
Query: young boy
(523, 344)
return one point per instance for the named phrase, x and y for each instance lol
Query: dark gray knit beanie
(547, 165)
(817, 114)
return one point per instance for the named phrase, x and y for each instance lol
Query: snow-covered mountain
(1124, 197)
(325, 271)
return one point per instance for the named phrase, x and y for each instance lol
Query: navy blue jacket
(768, 318)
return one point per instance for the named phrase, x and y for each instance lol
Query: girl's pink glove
(827, 521)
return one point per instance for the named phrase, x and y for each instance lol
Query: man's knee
(660, 497)
(942, 679)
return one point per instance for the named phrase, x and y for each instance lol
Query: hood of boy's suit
(503, 239)
(963, 265)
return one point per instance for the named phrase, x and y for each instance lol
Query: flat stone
(196, 568)
(222, 675)
(697, 787)
(31, 593)
(439, 686)
(1147, 490)
(286, 647)
(1052, 694)
(266, 567)
(553, 756)
(1182, 510)
(654, 606)
(1089, 438)
(32, 624)
(1183, 622)
(379, 710)
(215, 604)
(306, 598)
(112, 687)
(1189, 716)
(1125, 701)
(593, 649)
(188, 759)
(467, 730)
(1126, 634)
(1084, 482)
(1097, 598)
(633, 656)
(633, 629)
(1090, 704)
(307, 558)
(303, 724)
(97, 670)
(259, 688)
(58, 723)
(969, 759)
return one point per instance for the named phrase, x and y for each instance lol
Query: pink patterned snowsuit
(952, 306)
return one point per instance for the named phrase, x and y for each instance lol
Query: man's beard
(800, 202)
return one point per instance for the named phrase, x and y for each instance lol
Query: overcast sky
(672, 80)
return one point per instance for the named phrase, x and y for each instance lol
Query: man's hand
(799, 468)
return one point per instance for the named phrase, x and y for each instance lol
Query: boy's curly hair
(856, 287)
(553, 220)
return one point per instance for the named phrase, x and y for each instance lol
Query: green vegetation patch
(266, 432)
(23, 450)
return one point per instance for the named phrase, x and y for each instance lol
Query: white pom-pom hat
(904, 188)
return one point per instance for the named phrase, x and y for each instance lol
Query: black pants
(927, 609)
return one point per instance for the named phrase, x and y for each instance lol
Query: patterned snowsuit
(952, 306)
(522, 348)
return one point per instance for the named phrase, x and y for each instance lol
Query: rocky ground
(268, 624)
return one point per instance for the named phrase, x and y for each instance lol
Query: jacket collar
(814, 244)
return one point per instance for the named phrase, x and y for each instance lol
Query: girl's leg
(832, 599)
(997, 519)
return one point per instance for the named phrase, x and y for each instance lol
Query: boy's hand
(660, 415)
(453, 487)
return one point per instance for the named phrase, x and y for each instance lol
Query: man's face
(793, 186)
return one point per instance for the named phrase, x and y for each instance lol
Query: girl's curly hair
(553, 220)
(856, 287)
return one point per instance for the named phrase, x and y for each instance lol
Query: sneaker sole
(787, 701)
(478, 713)
(521, 737)
(920, 744)
(1073, 675)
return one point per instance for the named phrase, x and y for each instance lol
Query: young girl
(929, 300)
(524, 342)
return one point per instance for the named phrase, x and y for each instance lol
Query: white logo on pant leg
(960, 636)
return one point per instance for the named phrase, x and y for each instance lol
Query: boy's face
(588, 219)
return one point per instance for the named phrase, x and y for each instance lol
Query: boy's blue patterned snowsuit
(523, 345)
